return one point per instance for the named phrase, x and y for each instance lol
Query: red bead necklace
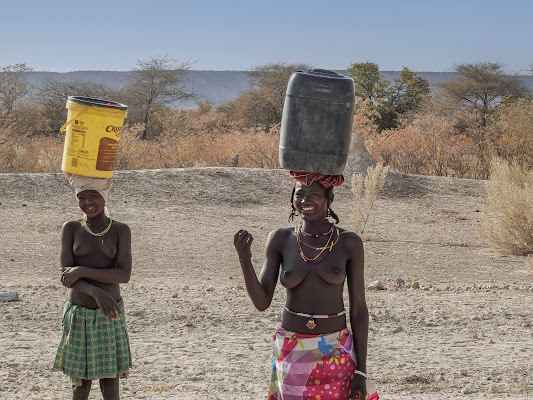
(329, 244)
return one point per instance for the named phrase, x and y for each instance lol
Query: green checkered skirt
(93, 346)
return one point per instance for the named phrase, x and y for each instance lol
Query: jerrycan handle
(324, 71)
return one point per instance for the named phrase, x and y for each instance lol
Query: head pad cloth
(307, 178)
(80, 183)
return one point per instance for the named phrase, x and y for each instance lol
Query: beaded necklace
(329, 244)
(96, 234)
(312, 234)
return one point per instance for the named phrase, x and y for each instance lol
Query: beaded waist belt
(311, 321)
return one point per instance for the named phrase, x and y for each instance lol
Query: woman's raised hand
(243, 243)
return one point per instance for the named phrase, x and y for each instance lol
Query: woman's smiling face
(310, 201)
(91, 202)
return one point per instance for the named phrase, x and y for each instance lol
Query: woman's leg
(110, 388)
(81, 392)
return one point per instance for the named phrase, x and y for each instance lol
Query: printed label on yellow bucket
(107, 152)
(93, 130)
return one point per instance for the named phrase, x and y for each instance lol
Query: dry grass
(251, 148)
(365, 190)
(24, 154)
(507, 213)
(529, 264)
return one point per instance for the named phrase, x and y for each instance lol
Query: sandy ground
(467, 332)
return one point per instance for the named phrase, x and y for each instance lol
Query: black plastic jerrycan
(316, 124)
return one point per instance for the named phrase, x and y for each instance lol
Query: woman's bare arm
(358, 309)
(261, 290)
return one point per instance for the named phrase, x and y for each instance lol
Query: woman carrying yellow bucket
(95, 255)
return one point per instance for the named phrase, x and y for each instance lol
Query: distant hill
(216, 86)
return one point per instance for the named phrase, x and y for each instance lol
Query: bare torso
(313, 288)
(95, 252)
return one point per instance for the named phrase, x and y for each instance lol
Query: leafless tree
(13, 86)
(155, 84)
(51, 97)
(266, 100)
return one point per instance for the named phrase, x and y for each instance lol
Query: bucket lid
(89, 101)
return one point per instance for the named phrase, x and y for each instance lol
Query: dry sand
(467, 332)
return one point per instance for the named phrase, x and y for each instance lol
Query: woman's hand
(70, 275)
(358, 389)
(243, 243)
(107, 304)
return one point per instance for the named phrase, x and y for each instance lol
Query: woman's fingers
(242, 238)
(112, 311)
(237, 236)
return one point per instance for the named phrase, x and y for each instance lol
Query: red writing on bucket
(116, 129)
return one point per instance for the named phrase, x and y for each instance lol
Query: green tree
(408, 92)
(405, 96)
(154, 85)
(368, 82)
(13, 86)
(391, 101)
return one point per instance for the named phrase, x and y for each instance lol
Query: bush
(507, 213)
(30, 155)
(453, 141)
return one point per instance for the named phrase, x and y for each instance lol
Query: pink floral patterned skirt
(317, 367)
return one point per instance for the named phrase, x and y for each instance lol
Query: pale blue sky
(422, 35)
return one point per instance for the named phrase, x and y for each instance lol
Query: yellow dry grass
(507, 212)
(365, 189)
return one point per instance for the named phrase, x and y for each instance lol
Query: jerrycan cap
(322, 72)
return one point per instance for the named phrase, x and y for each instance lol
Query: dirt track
(194, 333)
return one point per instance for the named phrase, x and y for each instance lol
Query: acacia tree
(154, 85)
(13, 86)
(483, 86)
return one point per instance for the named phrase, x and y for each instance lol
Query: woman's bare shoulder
(71, 225)
(278, 237)
(121, 225)
(350, 238)
(281, 233)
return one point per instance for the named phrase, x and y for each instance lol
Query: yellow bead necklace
(96, 234)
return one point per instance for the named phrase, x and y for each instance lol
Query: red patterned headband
(307, 178)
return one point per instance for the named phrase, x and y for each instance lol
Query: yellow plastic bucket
(93, 131)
